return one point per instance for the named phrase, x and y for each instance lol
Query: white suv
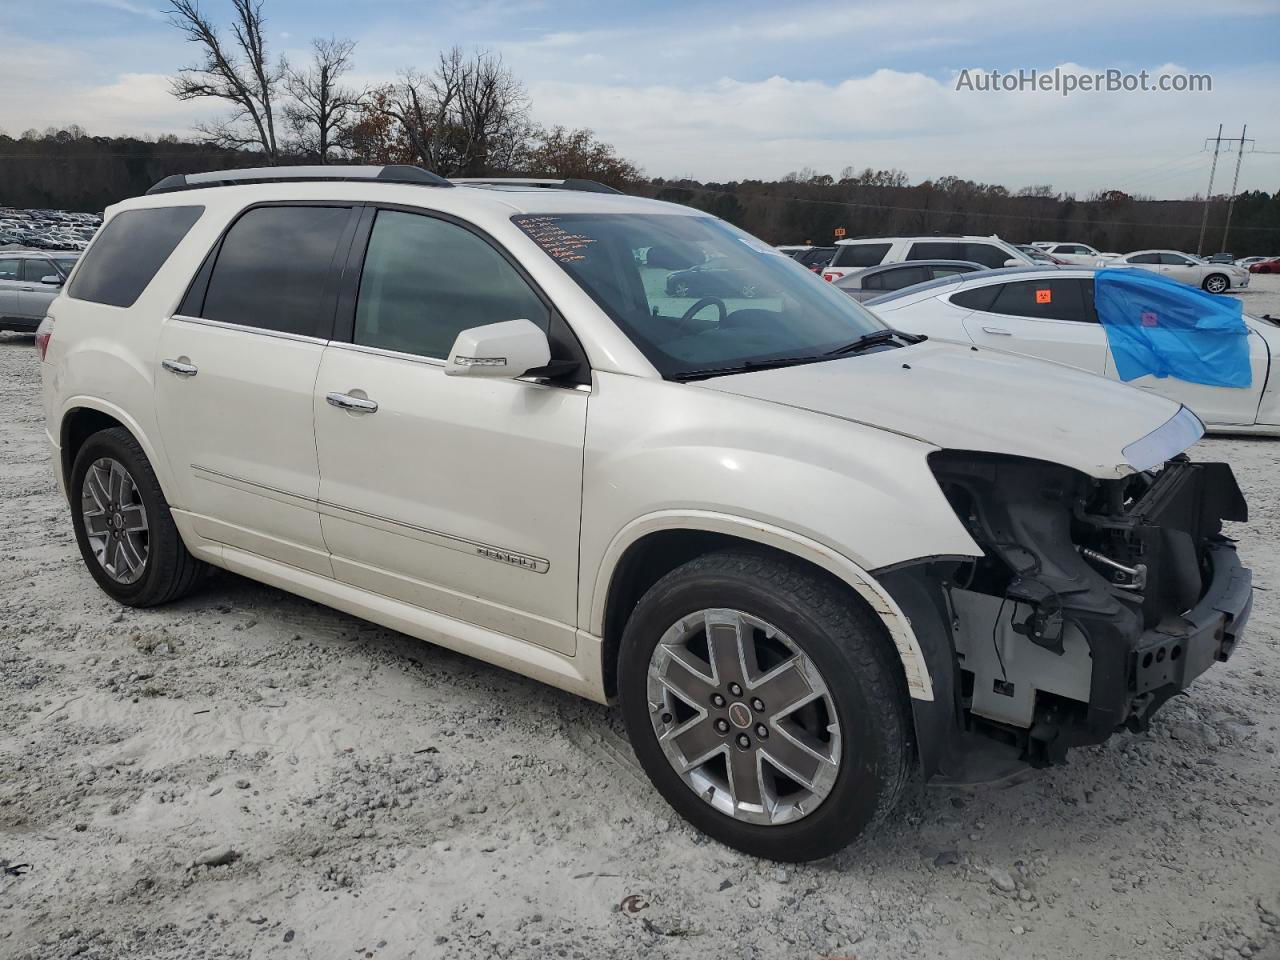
(806, 553)
(858, 254)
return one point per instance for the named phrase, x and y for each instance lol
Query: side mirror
(52, 279)
(1015, 262)
(508, 349)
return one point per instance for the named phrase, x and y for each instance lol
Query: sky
(744, 89)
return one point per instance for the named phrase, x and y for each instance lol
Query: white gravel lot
(362, 794)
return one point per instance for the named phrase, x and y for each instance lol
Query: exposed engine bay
(1093, 603)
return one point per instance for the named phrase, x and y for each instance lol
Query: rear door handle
(180, 368)
(355, 404)
(998, 331)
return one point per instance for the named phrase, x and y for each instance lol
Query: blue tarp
(1162, 328)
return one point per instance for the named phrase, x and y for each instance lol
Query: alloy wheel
(743, 716)
(1215, 284)
(115, 520)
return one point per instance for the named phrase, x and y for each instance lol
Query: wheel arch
(82, 417)
(651, 546)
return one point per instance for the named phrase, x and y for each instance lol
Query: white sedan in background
(1049, 314)
(1176, 265)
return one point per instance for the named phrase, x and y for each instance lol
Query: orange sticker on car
(1044, 296)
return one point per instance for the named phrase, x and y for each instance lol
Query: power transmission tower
(1236, 180)
(1204, 217)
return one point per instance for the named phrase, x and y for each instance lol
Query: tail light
(44, 333)
(830, 276)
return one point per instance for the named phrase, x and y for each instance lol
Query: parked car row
(1217, 274)
(46, 229)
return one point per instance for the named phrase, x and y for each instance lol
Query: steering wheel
(689, 314)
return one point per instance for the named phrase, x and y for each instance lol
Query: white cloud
(41, 92)
(918, 123)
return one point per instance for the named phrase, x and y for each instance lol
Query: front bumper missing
(1168, 658)
(1043, 650)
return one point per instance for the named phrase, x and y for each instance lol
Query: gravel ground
(246, 774)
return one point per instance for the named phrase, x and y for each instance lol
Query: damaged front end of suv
(1094, 601)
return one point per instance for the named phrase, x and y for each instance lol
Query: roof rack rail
(569, 183)
(391, 173)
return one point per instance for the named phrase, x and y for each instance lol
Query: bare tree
(321, 109)
(468, 116)
(238, 72)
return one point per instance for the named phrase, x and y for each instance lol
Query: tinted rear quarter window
(132, 247)
(977, 298)
(275, 270)
(859, 254)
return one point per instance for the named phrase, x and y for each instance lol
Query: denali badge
(515, 559)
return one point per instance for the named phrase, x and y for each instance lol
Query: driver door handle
(180, 368)
(998, 331)
(355, 404)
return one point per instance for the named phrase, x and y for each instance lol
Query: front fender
(885, 607)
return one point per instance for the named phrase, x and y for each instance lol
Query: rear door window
(131, 248)
(1144, 258)
(10, 269)
(1057, 299)
(860, 254)
(276, 270)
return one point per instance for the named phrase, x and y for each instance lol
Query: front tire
(123, 526)
(765, 703)
(1216, 283)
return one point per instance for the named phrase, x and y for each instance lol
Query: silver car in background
(1212, 277)
(29, 280)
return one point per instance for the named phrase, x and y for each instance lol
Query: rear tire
(134, 550)
(863, 704)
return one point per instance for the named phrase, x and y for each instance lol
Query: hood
(960, 398)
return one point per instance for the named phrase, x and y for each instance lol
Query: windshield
(696, 294)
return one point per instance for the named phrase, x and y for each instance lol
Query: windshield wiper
(746, 366)
(875, 339)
